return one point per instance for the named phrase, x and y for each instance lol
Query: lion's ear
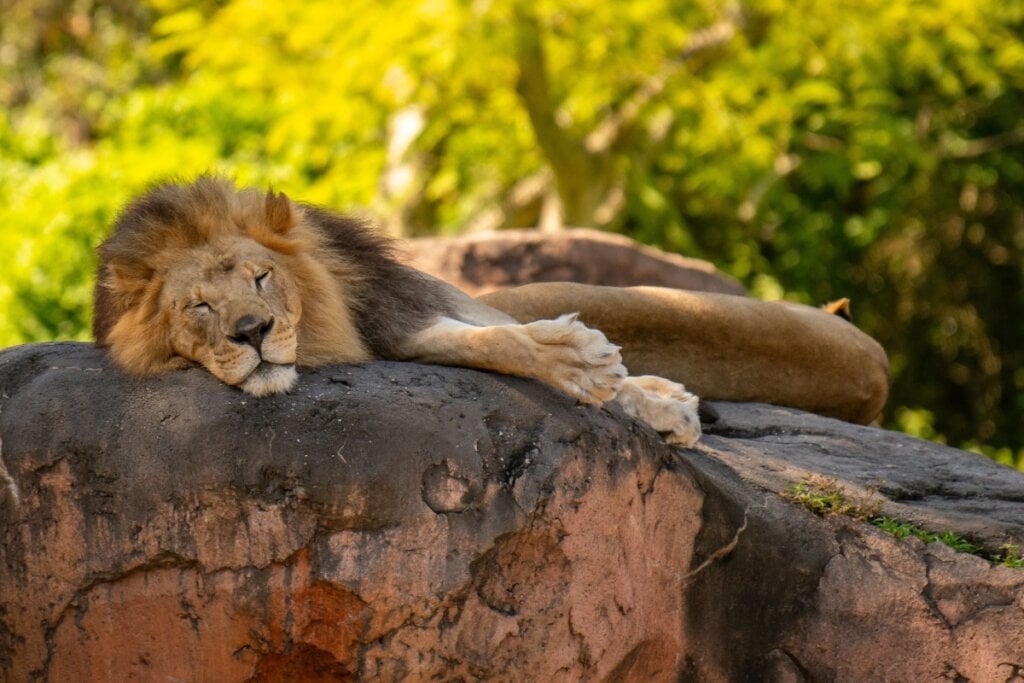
(280, 212)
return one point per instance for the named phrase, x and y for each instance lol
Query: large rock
(396, 521)
(483, 262)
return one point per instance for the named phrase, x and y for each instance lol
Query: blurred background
(811, 148)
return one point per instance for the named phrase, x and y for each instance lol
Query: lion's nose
(250, 330)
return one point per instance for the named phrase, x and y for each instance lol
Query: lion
(252, 285)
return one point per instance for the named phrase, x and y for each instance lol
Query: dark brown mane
(168, 216)
(393, 300)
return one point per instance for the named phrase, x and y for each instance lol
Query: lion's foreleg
(563, 353)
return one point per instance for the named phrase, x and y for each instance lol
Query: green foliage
(906, 529)
(816, 149)
(1008, 556)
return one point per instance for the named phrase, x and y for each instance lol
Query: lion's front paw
(663, 404)
(576, 359)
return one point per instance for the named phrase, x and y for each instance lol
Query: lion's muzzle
(272, 366)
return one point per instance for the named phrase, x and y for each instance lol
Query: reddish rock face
(396, 521)
(278, 623)
(387, 521)
(482, 263)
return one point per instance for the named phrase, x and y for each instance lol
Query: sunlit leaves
(812, 148)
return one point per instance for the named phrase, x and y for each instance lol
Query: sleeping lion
(252, 285)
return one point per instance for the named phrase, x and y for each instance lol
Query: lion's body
(251, 285)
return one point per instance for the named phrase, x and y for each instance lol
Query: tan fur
(725, 347)
(563, 353)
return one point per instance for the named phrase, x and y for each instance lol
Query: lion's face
(231, 307)
(204, 273)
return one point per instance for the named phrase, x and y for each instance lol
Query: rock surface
(394, 521)
(484, 262)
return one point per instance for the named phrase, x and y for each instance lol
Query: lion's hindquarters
(563, 353)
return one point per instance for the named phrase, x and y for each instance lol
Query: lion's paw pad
(577, 359)
(665, 405)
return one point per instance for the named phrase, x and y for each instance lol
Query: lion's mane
(346, 273)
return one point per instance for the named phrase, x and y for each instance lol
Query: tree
(813, 149)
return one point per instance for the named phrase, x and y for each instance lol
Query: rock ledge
(399, 521)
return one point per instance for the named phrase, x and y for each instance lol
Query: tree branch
(566, 155)
(582, 167)
(960, 148)
(616, 126)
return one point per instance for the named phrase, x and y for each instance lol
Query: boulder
(397, 521)
(483, 262)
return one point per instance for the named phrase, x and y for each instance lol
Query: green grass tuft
(905, 529)
(826, 496)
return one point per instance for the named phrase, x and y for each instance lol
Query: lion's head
(203, 273)
(230, 308)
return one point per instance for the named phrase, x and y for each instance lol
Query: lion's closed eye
(262, 280)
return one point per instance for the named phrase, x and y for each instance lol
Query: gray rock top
(483, 262)
(343, 432)
(336, 410)
(935, 486)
